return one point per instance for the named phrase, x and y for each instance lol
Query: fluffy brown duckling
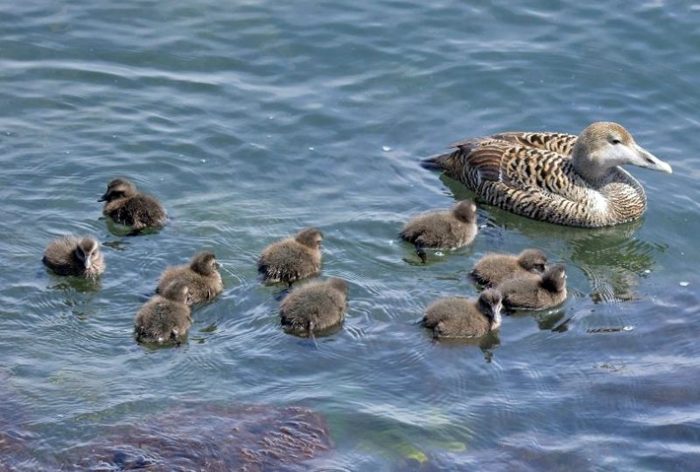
(201, 276)
(535, 292)
(315, 307)
(293, 258)
(492, 269)
(442, 229)
(166, 317)
(457, 317)
(127, 206)
(73, 255)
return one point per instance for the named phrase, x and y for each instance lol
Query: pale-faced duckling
(442, 229)
(129, 207)
(166, 317)
(535, 292)
(201, 276)
(315, 307)
(73, 255)
(556, 177)
(457, 317)
(293, 258)
(492, 269)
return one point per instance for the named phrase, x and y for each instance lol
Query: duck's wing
(561, 143)
(525, 179)
(527, 168)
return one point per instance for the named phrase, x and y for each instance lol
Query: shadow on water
(613, 259)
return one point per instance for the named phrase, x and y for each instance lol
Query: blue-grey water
(253, 119)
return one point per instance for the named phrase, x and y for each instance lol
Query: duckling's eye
(615, 141)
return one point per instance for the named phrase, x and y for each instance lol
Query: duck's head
(533, 260)
(204, 263)
(465, 211)
(604, 145)
(118, 188)
(338, 284)
(554, 279)
(177, 291)
(490, 303)
(310, 237)
(87, 251)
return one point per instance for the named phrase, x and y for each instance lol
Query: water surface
(253, 119)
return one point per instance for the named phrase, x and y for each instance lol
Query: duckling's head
(490, 303)
(118, 188)
(204, 263)
(465, 211)
(554, 279)
(177, 291)
(310, 237)
(338, 284)
(604, 145)
(88, 249)
(533, 260)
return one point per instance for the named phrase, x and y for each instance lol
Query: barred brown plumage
(555, 177)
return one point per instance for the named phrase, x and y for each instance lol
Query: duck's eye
(615, 141)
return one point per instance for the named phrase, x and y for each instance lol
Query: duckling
(492, 269)
(127, 206)
(555, 177)
(293, 258)
(535, 292)
(442, 229)
(457, 317)
(315, 307)
(73, 255)
(165, 318)
(201, 276)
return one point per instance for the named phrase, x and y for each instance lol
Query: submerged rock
(15, 453)
(208, 437)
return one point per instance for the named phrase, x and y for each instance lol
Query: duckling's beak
(650, 161)
(103, 198)
(88, 261)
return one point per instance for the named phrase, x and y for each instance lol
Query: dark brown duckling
(457, 317)
(315, 307)
(201, 276)
(292, 259)
(492, 269)
(165, 318)
(535, 292)
(442, 229)
(127, 206)
(73, 255)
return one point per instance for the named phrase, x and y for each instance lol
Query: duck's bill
(650, 161)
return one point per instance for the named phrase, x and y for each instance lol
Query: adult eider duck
(457, 317)
(73, 255)
(201, 276)
(493, 268)
(125, 205)
(555, 177)
(449, 229)
(535, 292)
(315, 307)
(292, 259)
